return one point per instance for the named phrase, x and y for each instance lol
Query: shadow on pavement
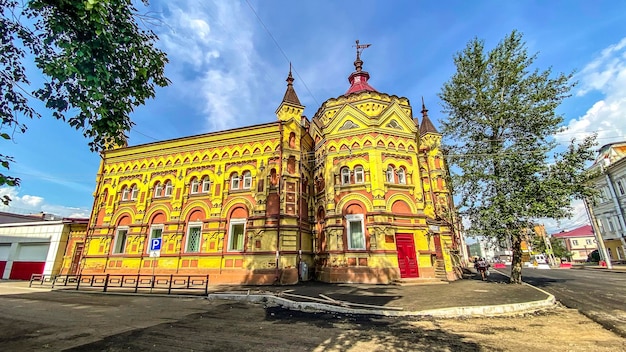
(243, 327)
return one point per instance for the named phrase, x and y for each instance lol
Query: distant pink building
(580, 242)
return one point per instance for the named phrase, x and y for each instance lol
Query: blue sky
(229, 60)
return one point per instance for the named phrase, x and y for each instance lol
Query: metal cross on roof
(360, 48)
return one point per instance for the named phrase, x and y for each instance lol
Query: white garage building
(34, 247)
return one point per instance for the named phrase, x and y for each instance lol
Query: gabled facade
(358, 194)
(609, 207)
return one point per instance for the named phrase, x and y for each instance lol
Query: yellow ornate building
(357, 194)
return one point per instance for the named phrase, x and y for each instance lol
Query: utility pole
(602, 249)
(551, 257)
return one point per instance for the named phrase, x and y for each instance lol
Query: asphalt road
(600, 295)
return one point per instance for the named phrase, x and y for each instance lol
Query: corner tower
(371, 180)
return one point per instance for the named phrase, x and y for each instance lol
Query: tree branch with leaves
(100, 64)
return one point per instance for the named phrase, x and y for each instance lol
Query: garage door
(30, 259)
(5, 248)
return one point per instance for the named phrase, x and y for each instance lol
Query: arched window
(133, 192)
(234, 181)
(359, 175)
(390, 177)
(401, 176)
(206, 184)
(168, 188)
(125, 193)
(195, 186)
(292, 140)
(158, 190)
(247, 180)
(273, 177)
(345, 176)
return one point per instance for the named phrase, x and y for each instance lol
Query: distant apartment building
(580, 242)
(609, 179)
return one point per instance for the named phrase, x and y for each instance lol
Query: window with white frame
(575, 242)
(156, 231)
(345, 176)
(401, 176)
(194, 234)
(133, 192)
(356, 232)
(247, 180)
(168, 188)
(206, 184)
(158, 190)
(119, 246)
(620, 187)
(588, 241)
(611, 226)
(236, 235)
(234, 181)
(125, 193)
(390, 177)
(359, 174)
(195, 186)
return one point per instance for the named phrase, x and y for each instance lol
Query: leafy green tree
(99, 65)
(499, 130)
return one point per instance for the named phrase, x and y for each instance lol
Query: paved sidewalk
(467, 297)
(470, 296)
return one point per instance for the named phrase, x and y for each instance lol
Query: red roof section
(358, 83)
(583, 231)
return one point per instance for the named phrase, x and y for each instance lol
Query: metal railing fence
(126, 283)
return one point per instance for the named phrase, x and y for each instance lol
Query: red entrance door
(407, 258)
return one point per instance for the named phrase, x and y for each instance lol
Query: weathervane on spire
(360, 48)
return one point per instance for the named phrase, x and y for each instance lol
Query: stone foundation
(358, 275)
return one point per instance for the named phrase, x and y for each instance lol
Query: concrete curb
(454, 312)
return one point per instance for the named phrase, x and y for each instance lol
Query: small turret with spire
(290, 107)
(426, 126)
(290, 95)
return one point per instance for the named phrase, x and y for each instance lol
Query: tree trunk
(516, 262)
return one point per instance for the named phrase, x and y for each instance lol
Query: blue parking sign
(155, 244)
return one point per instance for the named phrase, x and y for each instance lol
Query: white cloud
(212, 58)
(605, 75)
(30, 204)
